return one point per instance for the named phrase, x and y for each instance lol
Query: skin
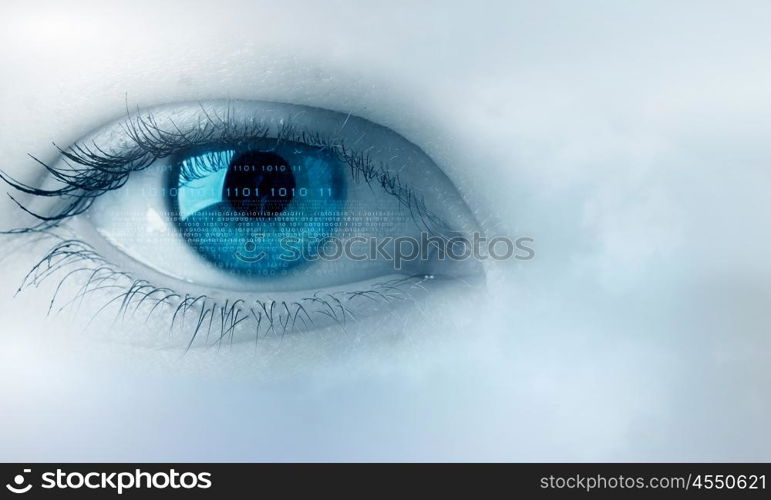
(627, 140)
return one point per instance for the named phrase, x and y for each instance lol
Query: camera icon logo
(18, 481)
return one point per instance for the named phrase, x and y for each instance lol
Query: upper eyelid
(101, 170)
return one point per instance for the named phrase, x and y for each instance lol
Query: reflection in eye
(248, 218)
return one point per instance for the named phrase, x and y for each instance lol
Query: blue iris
(257, 209)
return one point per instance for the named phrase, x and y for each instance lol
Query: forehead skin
(629, 141)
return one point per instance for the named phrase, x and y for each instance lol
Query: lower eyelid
(79, 273)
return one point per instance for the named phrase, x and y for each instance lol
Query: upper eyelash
(98, 171)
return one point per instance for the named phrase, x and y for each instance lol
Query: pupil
(259, 184)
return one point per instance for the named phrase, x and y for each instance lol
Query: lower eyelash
(217, 322)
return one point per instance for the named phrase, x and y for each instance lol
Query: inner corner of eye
(288, 213)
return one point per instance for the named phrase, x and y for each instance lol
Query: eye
(286, 214)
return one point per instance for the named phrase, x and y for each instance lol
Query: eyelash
(271, 318)
(98, 172)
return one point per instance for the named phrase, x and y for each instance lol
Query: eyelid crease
(90, 171)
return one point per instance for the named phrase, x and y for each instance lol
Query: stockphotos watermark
(111, 481)
(396, 249)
